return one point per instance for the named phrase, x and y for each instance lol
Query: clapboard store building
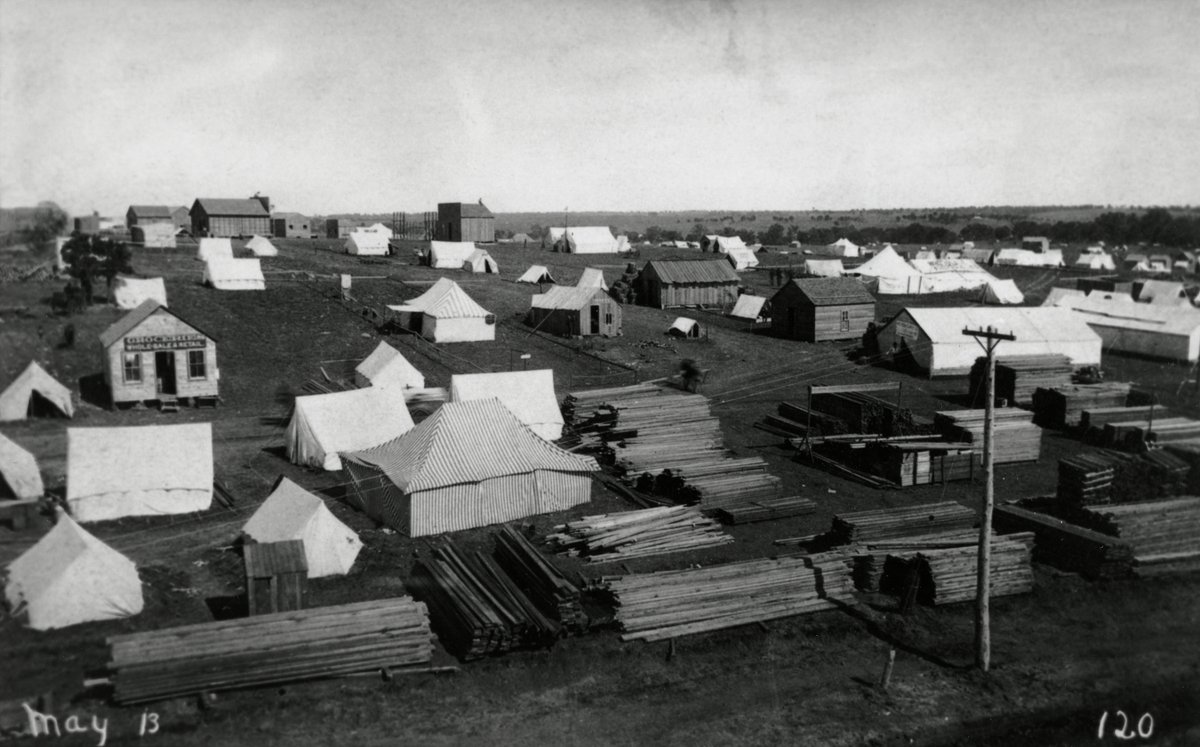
(151, 355)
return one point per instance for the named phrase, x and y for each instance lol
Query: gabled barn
(669, 283)
(820, 309)
(231, 218)
(575, 312)
(141, 215)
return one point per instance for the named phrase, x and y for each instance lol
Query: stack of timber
(1188, 452)
(669, 604)
(1086, 479)
(1168, 431)
(1098, 478)
(1067, 546)
(1163, 534)
(870, 561)
(1112, 426)
(862, 527)
(764, 508)
(1016, 438)
(949, 574)
(475, 608)
(637, 534)
(866, 413)
(926, 462)
(1062, 406)
(1018, 377)
(384, 634)
(540, 580)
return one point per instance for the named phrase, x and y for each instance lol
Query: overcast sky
(614, 105)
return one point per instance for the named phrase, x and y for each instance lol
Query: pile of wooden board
(1163, 534)
(1121, 427)
(1086, 479)
(475, 608)
(865, 413)
(949, 574)
(1068, 546)
(637, 534)
(765, 508)
(539, 579)
(385, 634)
(870, 561)
(1098, 478)
(1018, 377)
(1188, 452)
(1016, 438)
(668, 604)
(1063, 406)
(861, 527)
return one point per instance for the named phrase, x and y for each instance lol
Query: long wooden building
(819, 309)
(575, 312)
(668, 283)
(141, 215)
(219, 217)
(465, 221)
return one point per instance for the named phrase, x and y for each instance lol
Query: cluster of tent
(893, 274)
(223, 271)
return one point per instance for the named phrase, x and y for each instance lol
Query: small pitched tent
(470, 464)
(585, 240)
(742, 258)
(385, 366)
(722, 244)
(983, 256)
(323, 425)
(824, 268)
(843, 247)
(1057, 294)
(445, 313)
(366, 244)
(129, 293)
(226, 274)
(592, 278)
(1100, 260)
(481, 261)
(684, 327)
(35, 393)
(19, 475)
(450, 255)
(380, 229)
(146, 470)
(893, 273)
(1163, 293)
(1002, 292)
(527, 394)
(749, 307)
(70, 577)
(210, 248)
(292, 513)
(536, 274)
(261, 246)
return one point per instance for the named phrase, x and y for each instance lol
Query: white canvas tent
(684, 327)
(741, 258)
(227, 274)
(722, 244)
(450, 255)
(323, 425)
(261, 246)
(1027, 258)
(1139, 328)
(149, 470)
(385, 366)
(592, 278)
(210, 248)
(445, 313)
(749, 307)
(70, 577)
(35, 392)
(1004, 292)
(19, 475)
(536, 274)
(527, 394)
(366, 244)
(129, 293)
(843, 247)
(947, 275)
(1163, 293)
(585, 240)
(292, 513)
(893, 273)
(1095, 261)
(380, 229)
(1056, 294)
(824, 268)
(481, 261)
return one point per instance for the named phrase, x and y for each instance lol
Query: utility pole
(989, 339)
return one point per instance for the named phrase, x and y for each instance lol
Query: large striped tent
(469, 464)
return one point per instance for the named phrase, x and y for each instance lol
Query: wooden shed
(819, 309)
(141, 215)
(152, 355)
(575, 312)
(465, 221)
(667, 283)
(219, 217)
(276, 576)
(291, 226)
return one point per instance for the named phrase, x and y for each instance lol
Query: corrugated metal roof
(565, 297)
(265, 559)
(152, 211)
(444, 300)
(833, 291)
(693, 270)
(223, 206)
(466, 442)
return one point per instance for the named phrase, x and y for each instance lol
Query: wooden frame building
(216, 217)
(152, 355)
(141, 215)
(820, 309)
(291, 226)
(465, 221)
(668, 283)
(575, 312)
(276, 576)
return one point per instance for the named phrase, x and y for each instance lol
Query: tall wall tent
(385, 366)
(148, 470)
(20, 478)
(844, 247)
(129, 293)
(892, 273)
(212, 248)
(450, 255)
(367, 243)
(571, 311)
(821, 309)
(261, 246)
(536, 274)
(1002, 292)
(722, 244)
(445, 313)
(223, 273)
(292, 513)
(742, 258)
(824, 268)
(70, 577)
(529, 395)
(481, 261)
(35, 393)
(323, 425)
(584, 240)
(470, 464)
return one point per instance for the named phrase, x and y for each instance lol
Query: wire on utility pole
(989, 339)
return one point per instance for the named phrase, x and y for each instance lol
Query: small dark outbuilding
(667, 283)
(276, 576)
(819, 309)
(465, 221)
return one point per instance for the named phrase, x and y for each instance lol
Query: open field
(1061, 655)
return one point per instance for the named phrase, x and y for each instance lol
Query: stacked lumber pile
(1163, 534)
(949, 574)
(1086, 479)
(822, 423)
(1168, 431)
(540, 580)
(1062, 406)
(924, 462)
(871, 561)
(766, 508)
(604, 538)
(384, 634)
(866, 413)
(713, 483)
(1067, 546)
(668, 604)
(862, 527)
(1097, 478)
(475, 608)
(1115, 426)
(1188, 452)
(1018, 377)
(1017, 439)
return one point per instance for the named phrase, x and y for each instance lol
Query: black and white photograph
(581, 372)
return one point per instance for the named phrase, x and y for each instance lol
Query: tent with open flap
(536, 274)
(445, 313)
(481, 261)
(35, 393)
(450, 255)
